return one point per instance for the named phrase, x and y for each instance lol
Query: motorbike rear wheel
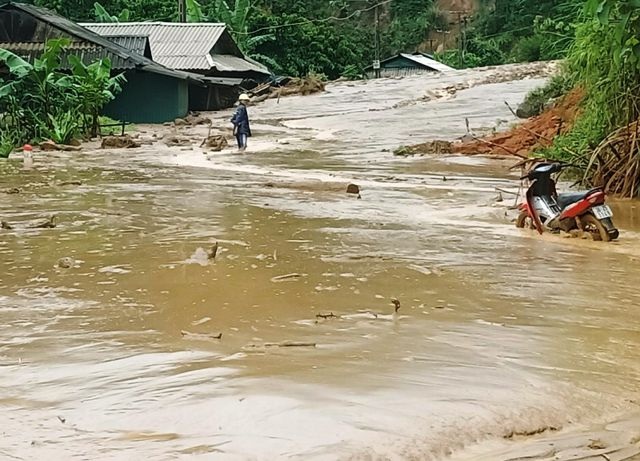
(525, 221)
(593, 226)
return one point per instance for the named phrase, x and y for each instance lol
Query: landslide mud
(146, 348)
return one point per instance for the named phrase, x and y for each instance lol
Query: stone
(66, 263)
(353, 189)
(52, 146)
(198, 120)
(119, 142)
(180, 122)
(174, 140)
(49, 146)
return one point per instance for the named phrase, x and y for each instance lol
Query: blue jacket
(240, 121)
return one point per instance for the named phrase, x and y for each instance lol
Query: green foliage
(478, 53)
(604, 61)
(194, 11)
(521, 30)
(557, 86)
(42, 102)
(102, 15)
(352, 72)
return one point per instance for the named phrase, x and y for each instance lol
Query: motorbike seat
(569, 198)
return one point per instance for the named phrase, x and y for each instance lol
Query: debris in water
(119, 142)
(70, 183)
(216, 143)
(597, 444)
(48, 224)
(353, 189)
(328, 316)
(286, 277)
(62, 420)
(66, 263)
(532, 432)
(13, 190)
(396, 303)
(200, 336)
(5, 225)
(213, 252)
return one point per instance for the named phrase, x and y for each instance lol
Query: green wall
(150, 98)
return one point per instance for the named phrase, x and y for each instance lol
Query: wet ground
(507, 344)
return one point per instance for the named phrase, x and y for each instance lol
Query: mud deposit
(122, 338)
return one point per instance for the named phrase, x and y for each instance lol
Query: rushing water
(499, 330)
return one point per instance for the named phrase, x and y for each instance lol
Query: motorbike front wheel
(593, 226)
(525, 221)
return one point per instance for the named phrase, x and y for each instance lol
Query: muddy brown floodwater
(506, 345)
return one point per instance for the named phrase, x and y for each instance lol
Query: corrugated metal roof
(422, 59)
(87, 52)
(112, 50)
(181, 46)
(175, 45)
(427, 62)
(229, 63)
(136, 43)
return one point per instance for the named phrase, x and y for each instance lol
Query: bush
(41, 102)
(536, 100)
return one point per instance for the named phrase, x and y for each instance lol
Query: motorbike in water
(545, 209)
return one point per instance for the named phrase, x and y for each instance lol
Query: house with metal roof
(207, 49)
(153, 93)
(405, 64)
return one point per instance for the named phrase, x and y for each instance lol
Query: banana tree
(102, 15)
(42, 101)
(95, 87)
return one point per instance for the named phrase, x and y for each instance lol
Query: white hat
(244, 97)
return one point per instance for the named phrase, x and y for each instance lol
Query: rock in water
(353, 189)
(119, 142)
(66, 263)
(48, 224)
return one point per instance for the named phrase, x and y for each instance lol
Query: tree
(40, 101)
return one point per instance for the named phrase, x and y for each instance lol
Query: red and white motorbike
(545, 209)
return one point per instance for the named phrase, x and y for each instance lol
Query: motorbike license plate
(602, 212)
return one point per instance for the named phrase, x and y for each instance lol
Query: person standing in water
(241, 126)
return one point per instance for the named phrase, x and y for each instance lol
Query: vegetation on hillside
(517, 31)
(331, 37)
(604, 60)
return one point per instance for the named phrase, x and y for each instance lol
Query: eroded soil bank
(505, 343)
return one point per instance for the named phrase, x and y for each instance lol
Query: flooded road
(501, 333)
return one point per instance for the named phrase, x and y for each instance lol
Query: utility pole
(460, 43)
(464, 37)
(376, 63)
(182, 11)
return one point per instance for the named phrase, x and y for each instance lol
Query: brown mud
(519, 141)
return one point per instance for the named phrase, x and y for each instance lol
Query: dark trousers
(242, 140)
